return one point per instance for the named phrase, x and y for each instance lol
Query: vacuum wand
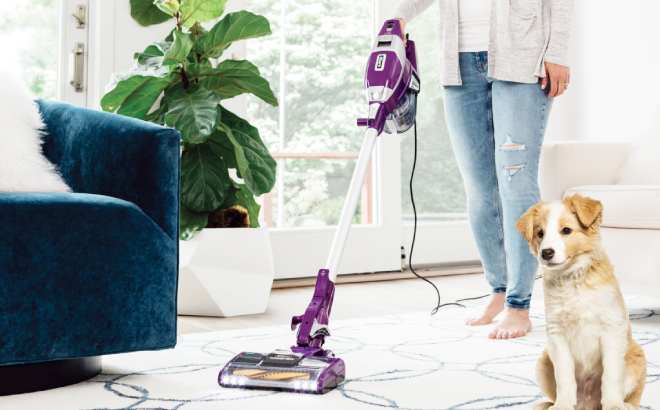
(350, 205)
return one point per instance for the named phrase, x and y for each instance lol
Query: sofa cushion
(23, 166)
(82, 275)
(625, 206)
(641, 167)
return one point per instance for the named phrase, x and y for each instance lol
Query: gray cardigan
(524, 34)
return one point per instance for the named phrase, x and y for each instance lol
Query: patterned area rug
(414, 361)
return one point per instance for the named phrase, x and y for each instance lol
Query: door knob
(77, 66)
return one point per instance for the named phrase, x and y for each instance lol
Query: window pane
(438, 185)
(315, 192)
(28, 34)
(326, 47)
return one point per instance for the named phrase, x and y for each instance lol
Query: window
(28, 34)
(316, 67)
(438, 185)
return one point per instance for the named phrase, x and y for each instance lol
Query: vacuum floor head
(299, 369)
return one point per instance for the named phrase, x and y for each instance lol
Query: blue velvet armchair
(93, 272)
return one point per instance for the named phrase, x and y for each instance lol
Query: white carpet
(410, 361)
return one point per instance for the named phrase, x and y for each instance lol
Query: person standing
(502, 62)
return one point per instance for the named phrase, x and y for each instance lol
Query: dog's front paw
(543, 406)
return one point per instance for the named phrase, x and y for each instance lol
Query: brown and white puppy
(591, 361)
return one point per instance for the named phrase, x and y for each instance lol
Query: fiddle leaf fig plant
(178, 83)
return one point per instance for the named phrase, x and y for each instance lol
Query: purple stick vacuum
(392, 83)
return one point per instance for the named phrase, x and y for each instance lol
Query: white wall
(615, 58)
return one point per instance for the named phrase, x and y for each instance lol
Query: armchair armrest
(111, 155)
(567, 164)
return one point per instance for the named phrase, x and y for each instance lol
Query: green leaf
(223, 147)
(193, 11)
(134, 96)
(180, 48)
(223, 87)
(201, 31)
(150, 50)
(239, 194)
(191, 221)
(146, 13)
(233, 27)
(164, 45)
(246, 200)
(197, 70)
(170, 37)
(241, 146)
(151, 56)
(205, 181)
(194, 114)
(158, 115)
(170, 7)
(231, 78)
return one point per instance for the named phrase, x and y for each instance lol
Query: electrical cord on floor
(412, 246)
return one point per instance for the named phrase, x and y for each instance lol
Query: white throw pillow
(642, 166)
(23, 166)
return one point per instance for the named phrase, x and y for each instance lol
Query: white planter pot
(225, 272)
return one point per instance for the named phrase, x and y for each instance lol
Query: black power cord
(412, 246)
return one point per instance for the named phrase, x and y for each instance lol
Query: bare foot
(514, 323)
(492, 308)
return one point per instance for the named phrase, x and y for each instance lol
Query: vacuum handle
(391, 27)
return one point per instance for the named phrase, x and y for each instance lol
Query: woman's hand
(403, 31)
(559, 77)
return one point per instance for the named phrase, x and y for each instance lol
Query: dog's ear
(525, 224)
(589, 211)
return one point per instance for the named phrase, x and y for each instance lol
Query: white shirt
(473, 25)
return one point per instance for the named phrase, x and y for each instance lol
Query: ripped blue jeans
(496, 129)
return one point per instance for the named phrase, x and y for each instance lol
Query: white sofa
(631, 214)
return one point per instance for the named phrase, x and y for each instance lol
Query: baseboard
(425, 270)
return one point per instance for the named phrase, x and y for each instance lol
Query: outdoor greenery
(327, 44)
(183, 71)
(326, 47)
(28, 32)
